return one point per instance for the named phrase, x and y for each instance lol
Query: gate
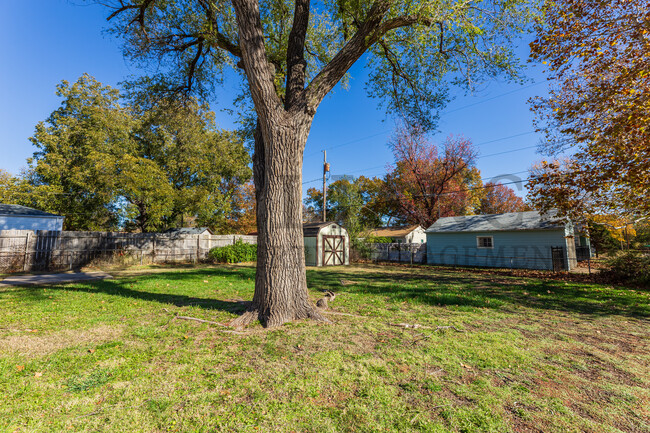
(583, 253)
(557, 257)
(333, 250)
(46, 242)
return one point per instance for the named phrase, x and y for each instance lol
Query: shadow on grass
(120, 287)
(427, 286)
(454, 288)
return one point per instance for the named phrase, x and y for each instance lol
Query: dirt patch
(520, 424)
(597, 366)
(41, 345)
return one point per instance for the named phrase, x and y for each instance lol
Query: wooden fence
(402, 253)
(26, 250)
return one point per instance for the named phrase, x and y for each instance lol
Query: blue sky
(46, 41)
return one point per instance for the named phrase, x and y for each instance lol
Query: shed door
(333, 250)
(557, 257)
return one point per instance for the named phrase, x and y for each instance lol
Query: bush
(629, 267)
(378, 240)
(236, 253)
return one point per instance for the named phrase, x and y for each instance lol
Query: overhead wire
(357, 140)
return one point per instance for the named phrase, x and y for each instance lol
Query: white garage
(326, 244)
(15, 217)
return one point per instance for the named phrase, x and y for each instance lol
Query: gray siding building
(527, 240)
(15, 217)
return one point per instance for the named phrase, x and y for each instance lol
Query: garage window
(484, 242)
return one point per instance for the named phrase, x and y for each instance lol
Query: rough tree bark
(280, 284)
(280, 137)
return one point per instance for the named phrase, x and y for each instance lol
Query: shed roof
(514, 221)
(311, 229)
(392, 232)
(17, 211)
(189, 230)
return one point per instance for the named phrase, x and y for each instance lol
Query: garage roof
(18, 211)
(513, 221)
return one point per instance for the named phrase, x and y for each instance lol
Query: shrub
(629, 267)
(378, 240)
(236, 253)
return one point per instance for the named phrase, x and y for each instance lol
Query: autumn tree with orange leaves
(598, 112)
(427, 181)
(499, 198)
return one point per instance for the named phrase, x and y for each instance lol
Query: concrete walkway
(43, 279)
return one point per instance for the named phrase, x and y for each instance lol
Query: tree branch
(258, 69)
(296, 64)
(222, 41)
(139, 18)
(369, 32)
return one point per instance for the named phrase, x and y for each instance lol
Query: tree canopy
(355, 204)
(414, 49)
(105, 165)
(595, 118)
(425, 183)
(498, 198)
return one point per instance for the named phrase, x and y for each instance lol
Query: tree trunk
(280, 283)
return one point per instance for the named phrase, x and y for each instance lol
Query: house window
(484, 242)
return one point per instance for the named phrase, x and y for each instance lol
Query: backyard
(491, 353)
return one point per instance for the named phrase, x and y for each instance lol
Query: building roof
(189, 230)
(22, 211)
(392, 232)
(311, 229)
(513, 221)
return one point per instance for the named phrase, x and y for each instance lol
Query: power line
(347, 143)
(506, 138)
(506, 151)
(479, 157)
(494, 97)
(443, 112)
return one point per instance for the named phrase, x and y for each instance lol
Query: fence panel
(397, 252)
(25, 250)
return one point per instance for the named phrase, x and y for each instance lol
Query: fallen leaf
(38, 374)
(91, 350)
(20, 367)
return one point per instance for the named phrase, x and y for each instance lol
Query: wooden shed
(326, 244)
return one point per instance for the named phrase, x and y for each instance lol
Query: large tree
(498, 198)
(145, 166)
(598, 109)
(78, 147)
(290, 56)
(202, 166)
(428, 182)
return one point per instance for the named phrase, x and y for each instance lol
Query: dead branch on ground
(417, 326)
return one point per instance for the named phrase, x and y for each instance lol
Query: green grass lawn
(533, 355)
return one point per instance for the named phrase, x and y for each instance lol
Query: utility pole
(326, 168)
